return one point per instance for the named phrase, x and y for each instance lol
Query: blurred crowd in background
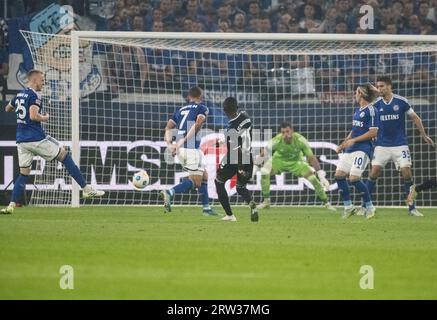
(263, 16)
(330, 16)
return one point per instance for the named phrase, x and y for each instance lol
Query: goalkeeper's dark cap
(230, 105)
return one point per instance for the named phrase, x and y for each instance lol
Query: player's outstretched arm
(314, 162)
(421, 128)
(260, 159)
(341, 147)
(36, 116)
(372, 133)
(266, 152)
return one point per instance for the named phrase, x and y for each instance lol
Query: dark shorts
(227, 171)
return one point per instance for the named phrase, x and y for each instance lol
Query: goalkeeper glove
(259, 161)
(321, 174)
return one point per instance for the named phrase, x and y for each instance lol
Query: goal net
(131, 83)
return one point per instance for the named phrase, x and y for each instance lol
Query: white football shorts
(353, 163)
(47, 148)
(192, 160)
(399, 155)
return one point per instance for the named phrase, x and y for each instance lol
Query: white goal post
(124, 85)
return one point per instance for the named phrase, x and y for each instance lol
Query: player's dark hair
(33, 72)
(230, 105)
(195, 92)
(286, 124)
(385, 79)
(368, 91)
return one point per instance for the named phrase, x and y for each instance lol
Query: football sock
(19, 186)
(343, 187)
(362, 189)
(223, 197)
(182, 187)
(371, 183)
(203, 192)
(242, 191)
(74, 171)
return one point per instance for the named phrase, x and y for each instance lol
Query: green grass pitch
(291, 253)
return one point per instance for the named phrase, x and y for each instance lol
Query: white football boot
(89, 192)
(229, 218)
(415, 213)
(264, 205)
(348, 211)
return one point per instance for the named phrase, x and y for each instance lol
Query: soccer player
(357, 150)
(391, 142)
(416, 189)
(288, 149)
(238, 160)
(32, 140)
(183, 128)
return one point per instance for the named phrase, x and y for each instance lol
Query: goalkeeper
(288, 149)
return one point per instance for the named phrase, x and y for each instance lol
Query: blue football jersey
(27, 130)
(391, 131)
(363, 119)
(186, 117)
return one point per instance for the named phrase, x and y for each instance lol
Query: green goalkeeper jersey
(290, 152)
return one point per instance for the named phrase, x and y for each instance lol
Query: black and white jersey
(239, 140)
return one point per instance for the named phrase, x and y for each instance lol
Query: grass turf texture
(140, 252)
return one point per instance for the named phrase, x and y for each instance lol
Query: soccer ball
(141, 179)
